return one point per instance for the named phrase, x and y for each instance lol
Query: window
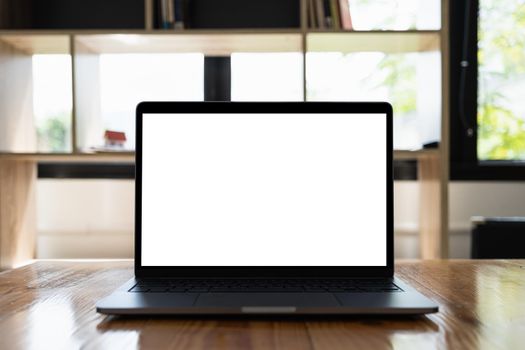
(267, 76)
(487, 77)
(395, 14)
(411, 82)
(501, 80)
(52, 102)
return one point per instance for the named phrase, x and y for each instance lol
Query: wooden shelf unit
(17, 46)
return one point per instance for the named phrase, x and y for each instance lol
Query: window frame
(463, 74)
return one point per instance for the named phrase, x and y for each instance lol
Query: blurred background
(73, 70)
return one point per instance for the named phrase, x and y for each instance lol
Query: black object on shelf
(404, 170)
(498, 238)
(72, 14)
(81, 170)
(231, 14)
(217, 78)
(431, 145)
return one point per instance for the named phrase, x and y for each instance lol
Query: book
(319, 11)
(346, 18)
(163, 14)
(312, 23)
(336, 18)
(327, 14)
(170, 16)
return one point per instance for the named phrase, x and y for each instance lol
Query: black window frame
(463, 74)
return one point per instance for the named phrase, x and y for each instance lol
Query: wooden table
(50, 305)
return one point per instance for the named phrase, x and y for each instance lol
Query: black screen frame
(264, 271)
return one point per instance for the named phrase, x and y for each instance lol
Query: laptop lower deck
(265, 296)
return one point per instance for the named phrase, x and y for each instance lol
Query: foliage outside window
(411, 82)
(52, 102)
(501, 80)
(395, 14)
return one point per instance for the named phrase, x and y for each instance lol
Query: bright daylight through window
(501, 80)
(52, 102)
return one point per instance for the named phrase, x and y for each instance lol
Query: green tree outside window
(501, 80)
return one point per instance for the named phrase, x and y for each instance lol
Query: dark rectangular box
(498, 238)
(72, 14)
(231, 14)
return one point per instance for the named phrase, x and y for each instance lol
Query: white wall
(94, 218)
(85, 218)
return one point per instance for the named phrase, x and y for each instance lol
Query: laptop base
(407, 302)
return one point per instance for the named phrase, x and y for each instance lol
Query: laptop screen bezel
(264, 271)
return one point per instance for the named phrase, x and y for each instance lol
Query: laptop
(264, 208)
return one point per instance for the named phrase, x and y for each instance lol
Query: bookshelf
(18, 152)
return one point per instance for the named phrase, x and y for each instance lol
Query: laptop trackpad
(266, 300)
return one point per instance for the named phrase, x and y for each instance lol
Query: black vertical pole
(217, 79)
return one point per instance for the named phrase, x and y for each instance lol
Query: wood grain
(17, 128)
(17, 178)
(434, 238)
(38, 44)
(50, 304)
(17, 212)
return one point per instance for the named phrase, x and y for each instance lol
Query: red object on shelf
(114, 138)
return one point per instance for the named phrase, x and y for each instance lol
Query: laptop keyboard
(265, 286)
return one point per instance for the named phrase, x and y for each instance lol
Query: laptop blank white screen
(264, 190)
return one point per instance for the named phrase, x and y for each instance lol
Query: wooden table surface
(51, 305)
